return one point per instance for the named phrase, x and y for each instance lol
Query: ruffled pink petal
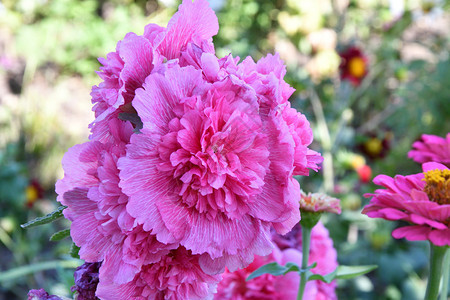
(193, 21)
(176, 276)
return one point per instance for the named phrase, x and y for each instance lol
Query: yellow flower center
(357, 67)
(31, 194)
(374, 146)
(438, 185)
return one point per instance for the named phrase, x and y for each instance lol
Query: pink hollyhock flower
(207, 166)
(431, 148)
(420, 199)
(354, 65)
(187, 151)
(321, 251)
(176, 275)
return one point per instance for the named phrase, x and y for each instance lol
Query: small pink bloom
(431, 148)
(364, 173)
(420, 199)
(318, 202)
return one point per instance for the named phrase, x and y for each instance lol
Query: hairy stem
(445, 275)
(437, 255)
(306, 238)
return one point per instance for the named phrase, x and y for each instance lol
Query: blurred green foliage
(48, 45)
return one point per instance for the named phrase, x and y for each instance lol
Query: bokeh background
(370, 75)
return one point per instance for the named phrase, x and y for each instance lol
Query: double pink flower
(189, 165)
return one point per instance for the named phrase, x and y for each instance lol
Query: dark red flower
(33, 192)
(376, 145)
(354, 65)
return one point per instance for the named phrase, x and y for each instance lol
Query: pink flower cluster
(189, 165)
(234, 285)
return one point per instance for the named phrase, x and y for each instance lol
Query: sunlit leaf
(347, 272)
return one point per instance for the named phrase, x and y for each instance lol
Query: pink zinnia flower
(423, 200)
(431, 148)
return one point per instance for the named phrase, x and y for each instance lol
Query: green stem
(306, 238)
(436, 261)
(445, 275)
(328, 171)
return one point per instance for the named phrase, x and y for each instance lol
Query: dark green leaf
(74, 251)
(291, 267)
(58, 213)
(274, 269)
(60, 235)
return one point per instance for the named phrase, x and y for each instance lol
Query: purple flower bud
(86, 280)
(41, 294)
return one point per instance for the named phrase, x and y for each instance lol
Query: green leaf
(274, 269)
(325, 278)
(347, 272)
(58, 213)
(291, 267)
(341, 272)
(60, 235)
(74, 249)
(311, 266)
